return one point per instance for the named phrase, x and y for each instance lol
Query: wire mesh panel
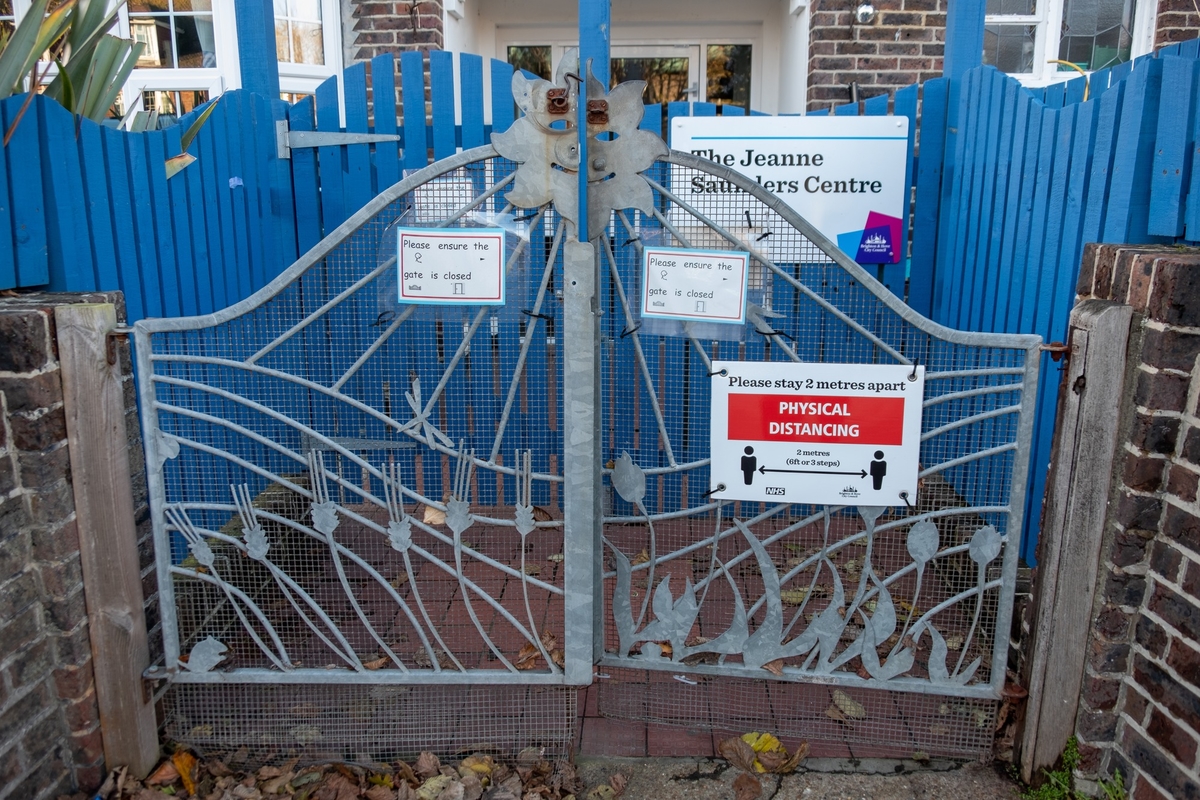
(916, 597)
(350, 490)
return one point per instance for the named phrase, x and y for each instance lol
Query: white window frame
(214, 80)
(1047, 21)
(652, 40)
(305, 78)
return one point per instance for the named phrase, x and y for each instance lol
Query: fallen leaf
(453, 791)
(746, 787)
(185, 763)
(557, 558)
(528, 657)
(380, 793)
(559, 658)
(618, 783)
(166, 773)
(541, 515)
(533, 569)
(427, 765)
(774, 667)
(920, 756)
(602, 792)
(480, 764)
(406, 773)
(793, 597)
(378, 663)
(737, 752)
(433, 516)
(835, 713)
(277, 785)
(642, 557)
(432, 788)
(530, 756)
(848, 705)
(954, 641)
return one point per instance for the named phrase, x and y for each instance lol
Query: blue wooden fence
(1009, 184)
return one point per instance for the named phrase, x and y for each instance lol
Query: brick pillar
(903, 45)
(1176, 21)
(371, 28)
(1140, 704)
(50, 737)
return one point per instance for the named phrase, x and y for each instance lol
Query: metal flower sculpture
(544, 143)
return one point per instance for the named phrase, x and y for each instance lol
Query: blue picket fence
(1008, 186)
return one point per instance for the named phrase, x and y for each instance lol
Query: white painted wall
(780, 38)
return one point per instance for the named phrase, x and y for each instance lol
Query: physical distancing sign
(450, 266)
(830, 434)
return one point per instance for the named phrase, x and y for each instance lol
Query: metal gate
(357, 493)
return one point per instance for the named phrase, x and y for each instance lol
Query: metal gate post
(581, 460)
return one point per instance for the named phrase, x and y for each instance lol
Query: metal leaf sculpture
(205, 655)
(252, 532)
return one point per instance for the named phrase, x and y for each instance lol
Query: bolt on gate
(388, 520)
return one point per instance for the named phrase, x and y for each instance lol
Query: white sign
(697, 285)
(845, 175)
(829, 434)
(450, 266)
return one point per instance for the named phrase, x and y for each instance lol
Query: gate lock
(556, 101)
(597, 112)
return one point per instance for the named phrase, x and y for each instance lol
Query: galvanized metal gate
(352, 492)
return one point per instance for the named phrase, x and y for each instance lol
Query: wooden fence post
(112, 586)
(1073, 527)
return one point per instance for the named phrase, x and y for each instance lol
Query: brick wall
(903, 45)
(371, 28)
(50, 737)
(1140, 704)
(1177, 21)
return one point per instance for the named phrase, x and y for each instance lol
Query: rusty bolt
(556, 101)
(597, 112)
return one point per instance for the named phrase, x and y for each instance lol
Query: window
(178, 34)
(1023, 37)
(8, 18)
(728, 74)
(308, 54)
(298, 35)
(533, 58)
(668, 78)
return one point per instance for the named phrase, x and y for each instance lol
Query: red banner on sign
(812, 418)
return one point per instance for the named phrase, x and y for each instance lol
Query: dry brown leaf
(737, 752)
(835, 713)
(541, 515)
(848, 705)
(533, 570)
(433, 516)
(746, 787)
(559, 658)
(453, 791)
(380, 793)
(166, 773)
(618, 782)
(528, 657)
(472, 786)
(406, 773)
(427, 765)
(336, 787)
(774, 667)
(378, 663)
(642, 557)
(277, 785)
(602, 792)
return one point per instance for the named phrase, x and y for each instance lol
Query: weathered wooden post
(112, 584)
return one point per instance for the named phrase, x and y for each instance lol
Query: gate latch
(597, 112)
(556, 101)
(1057, 350)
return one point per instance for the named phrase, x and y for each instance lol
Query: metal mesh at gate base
(271, 724)
(837, 723)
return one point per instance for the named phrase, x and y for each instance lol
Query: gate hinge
(288, 140)
(1057, 350)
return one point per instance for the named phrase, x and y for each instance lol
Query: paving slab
(822, 779)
